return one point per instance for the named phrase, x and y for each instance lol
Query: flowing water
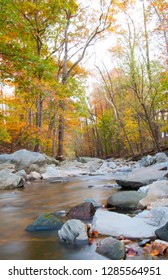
(20, 207)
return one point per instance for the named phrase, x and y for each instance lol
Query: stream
(21, 207)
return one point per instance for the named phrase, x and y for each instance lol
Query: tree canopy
(45, 49)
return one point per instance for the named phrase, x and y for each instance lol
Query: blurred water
(20, 207)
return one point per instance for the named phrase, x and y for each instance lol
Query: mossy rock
(46, 221)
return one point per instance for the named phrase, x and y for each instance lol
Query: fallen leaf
(131, 252)
(154, 253)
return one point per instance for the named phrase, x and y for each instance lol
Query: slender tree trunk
(61, 120)
(61, 128)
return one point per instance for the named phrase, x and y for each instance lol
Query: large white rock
(8, 180)
(23, 159)
(140, 226)
(156, 190)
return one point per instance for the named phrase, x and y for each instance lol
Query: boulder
(23, 159)
(162, 233)
(83, 211)
(125, 199)
(111, 248)
(142, 176)
(142, 225)
(156, 190)
(73, 231)
(9, 180)
(46, 221)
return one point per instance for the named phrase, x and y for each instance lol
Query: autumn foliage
(45, 104)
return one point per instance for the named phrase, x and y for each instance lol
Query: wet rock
(83, 211)
(125, 199)
(73, 231)
(142, 176)
(9, 180)
(46, 221)
(111, 248)
(162, 233)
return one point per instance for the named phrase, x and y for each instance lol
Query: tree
(77, 38)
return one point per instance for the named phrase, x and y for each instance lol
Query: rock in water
(125, 199)
(83, 211)
(162, 232)
(112, 248)
(142, 225)
(8, 180)
(73, 231)
(46, 221)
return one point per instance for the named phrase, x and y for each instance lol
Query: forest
(59, 98)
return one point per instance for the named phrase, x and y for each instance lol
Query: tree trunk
(61, 128)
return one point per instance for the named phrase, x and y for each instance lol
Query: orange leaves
(157, 248)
